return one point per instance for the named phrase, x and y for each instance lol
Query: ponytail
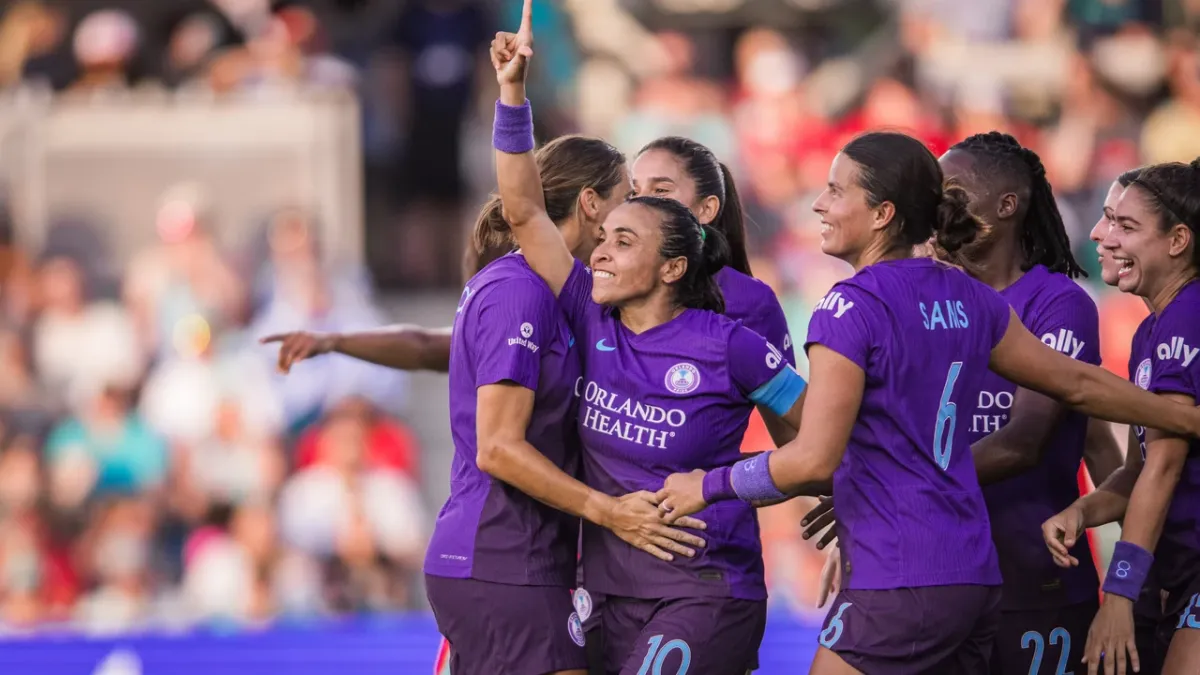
(731, 222)
(491, 229)
(704, 291)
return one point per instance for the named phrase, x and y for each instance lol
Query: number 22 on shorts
(1057, 636)
(656, 656)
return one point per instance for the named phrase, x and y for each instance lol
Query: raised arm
(402, 346)
(520, 184)
(1022, 358)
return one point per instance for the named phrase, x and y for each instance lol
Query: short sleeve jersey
(1059, 312)
(671, 399)
(910, 509)
(508, 328)
(1165, 359)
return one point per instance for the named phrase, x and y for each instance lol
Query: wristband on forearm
(717, 486)
(512, 130)
(1128, 570)
(751, 480)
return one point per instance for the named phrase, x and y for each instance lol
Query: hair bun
(956, 227)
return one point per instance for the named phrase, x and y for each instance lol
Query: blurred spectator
(104, 448)
(302, 296)
(105, 45)
(343, 508)
(185, 275)
(30, 36)
(116, 557)
(389, 444)
(81, 345)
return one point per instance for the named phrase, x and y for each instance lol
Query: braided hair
(1043, 236)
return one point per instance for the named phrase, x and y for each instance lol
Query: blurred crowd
(155, 469)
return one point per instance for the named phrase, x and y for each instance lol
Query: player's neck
(1000, 266)
(1159, 298)
(642, 315)
(879, 252)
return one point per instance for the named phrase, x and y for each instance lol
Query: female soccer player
(890, 351)
(1154, 246)
(1027, 447)
(688, 172)
(501, 561)
(668, 383)
(1147, 611)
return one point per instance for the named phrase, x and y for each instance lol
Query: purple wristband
(751, 479)
(512, 131)
(1128, 570)
(717, 486)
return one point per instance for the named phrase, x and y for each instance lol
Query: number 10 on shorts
(656, 656)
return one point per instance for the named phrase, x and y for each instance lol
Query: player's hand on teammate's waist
(681, 495)
(637, 520)
(819, 518)
(300, 345)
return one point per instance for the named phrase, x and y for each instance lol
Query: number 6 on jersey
(943, 438)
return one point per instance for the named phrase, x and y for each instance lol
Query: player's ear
(673, 270)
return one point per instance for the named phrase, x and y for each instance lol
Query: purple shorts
(942, 630)
(714, 636)
(501, 628)
(1043, 642)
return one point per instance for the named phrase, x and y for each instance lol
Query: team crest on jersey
(575, 628)
(683, 378)
(1143, 374)
(583, 603)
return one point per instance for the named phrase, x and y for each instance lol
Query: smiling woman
(1154, 245)
(668, 385)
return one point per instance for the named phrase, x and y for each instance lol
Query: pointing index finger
(526, 29)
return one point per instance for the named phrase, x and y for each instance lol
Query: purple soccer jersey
(909, 506)
(1055, 309)
(1165, 359)
(671, 399)
(754, 304)
(508, 327)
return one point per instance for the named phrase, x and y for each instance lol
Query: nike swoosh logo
(604, 348)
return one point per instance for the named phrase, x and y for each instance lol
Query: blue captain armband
(781, 392)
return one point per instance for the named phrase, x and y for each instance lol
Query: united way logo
(526, 330)
(1143, 374)
(682, 378)
(575, 628)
